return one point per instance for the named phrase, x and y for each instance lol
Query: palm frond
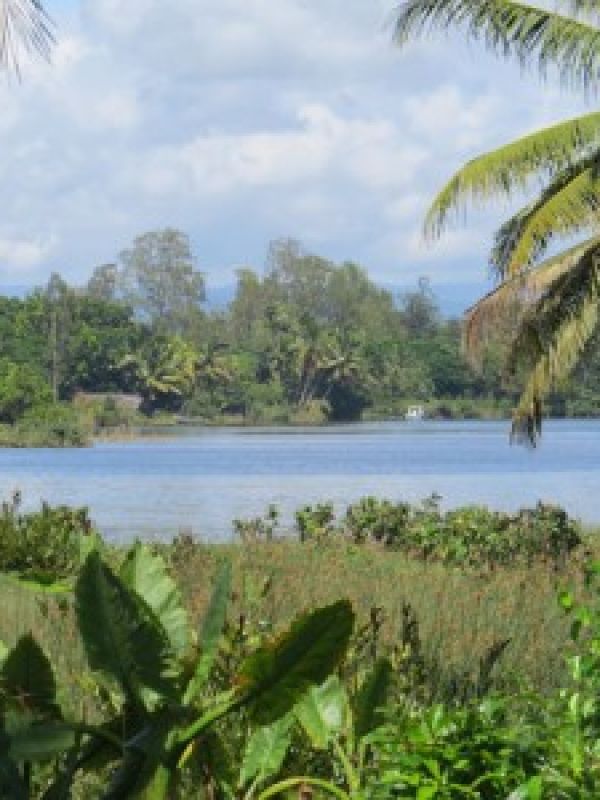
(511, 167)
(25, 27)
(552, 336)
(511, 29)
(513, 297)
(567, 206)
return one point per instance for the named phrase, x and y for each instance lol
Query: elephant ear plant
(334, 721)
(137, 639)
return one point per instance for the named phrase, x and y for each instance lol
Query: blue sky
(240, 121)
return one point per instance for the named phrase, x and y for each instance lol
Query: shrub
(46, 544)
(377, 520)
(315, 522)
(469, 536)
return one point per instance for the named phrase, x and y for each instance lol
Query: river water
(199, 479)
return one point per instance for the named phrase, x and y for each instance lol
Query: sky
(241, 121)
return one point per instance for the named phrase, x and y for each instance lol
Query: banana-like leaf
(27, 678)
(273, 679)
(370, 698)
(266, 751)
(211, 632)
(322, 712)
(123, 638)
(144, 773)
(11, 785)
(41, 741)
(146, 573)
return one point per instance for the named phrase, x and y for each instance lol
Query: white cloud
(22, 256)
(241, 120)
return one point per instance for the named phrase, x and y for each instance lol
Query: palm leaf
(552, 337)
(511, 29)
(569, 205)
(510, 168)
(512, 296)
(24, 27)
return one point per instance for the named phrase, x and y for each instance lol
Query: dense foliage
(468, 536)
(240, 709)
(559, 163)
(308, 341)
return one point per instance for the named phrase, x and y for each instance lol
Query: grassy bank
(460, 650)
(461, 613)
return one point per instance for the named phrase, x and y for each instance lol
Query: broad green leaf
(122, 636)
(212, 630)
(42, 741)
(27, 678)
(11, 785)
(266, 751)
(4, 651)
(321, 712)
(370, 698)
(273, 679)
(146, 573)
(144, 773)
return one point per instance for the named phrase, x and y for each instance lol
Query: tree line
(304, 340)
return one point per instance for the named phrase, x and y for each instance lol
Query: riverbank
(462, 600)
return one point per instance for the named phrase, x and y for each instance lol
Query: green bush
(377, 520)
(21, 388)
(46, 544)
(469, 536)
(50, 426)
(315, 522)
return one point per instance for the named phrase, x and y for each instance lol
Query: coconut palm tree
(25, 28)
(559, 295)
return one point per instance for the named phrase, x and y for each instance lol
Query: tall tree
(562, 292)
(104, 282)
(160, 280)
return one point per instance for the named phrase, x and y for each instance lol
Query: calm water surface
(198, 479)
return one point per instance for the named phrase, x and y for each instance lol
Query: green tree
(103, 283)
(562, 291)
(160, 280)
(164, 370)
(21, 389)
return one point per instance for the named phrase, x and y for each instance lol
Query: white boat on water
(415, 413)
